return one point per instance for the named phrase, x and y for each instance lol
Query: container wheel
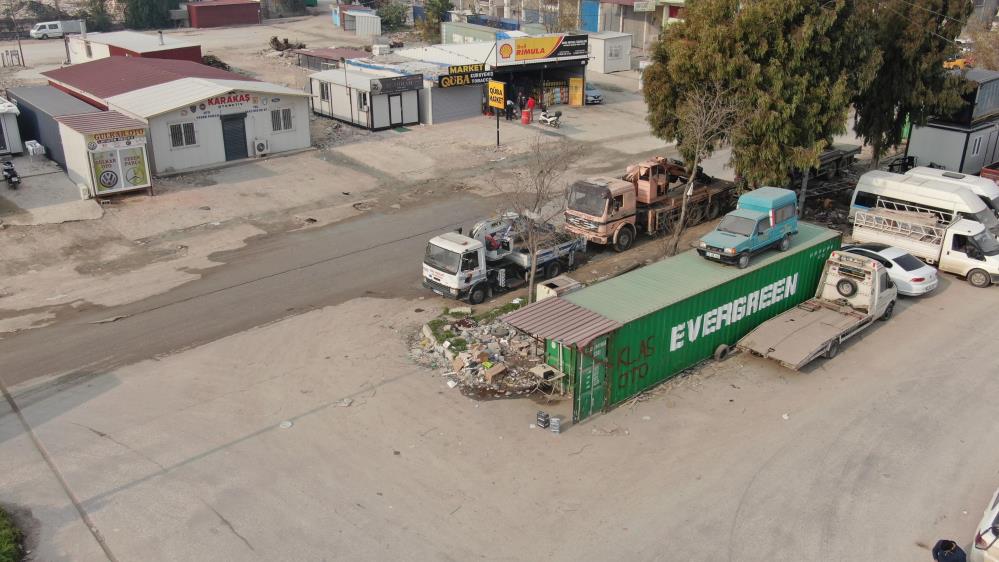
(979, 278)
(785, 243)
(625, 238)
(832, 350)
(743, 262)
(846, 288)
(888, 312)
(553, 269)
(477, 295)
(722, 352)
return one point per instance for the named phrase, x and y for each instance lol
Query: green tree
(436, 11)
(911, 43)
(95, 13)
(393, 16)
(793, 65)
(147, 14)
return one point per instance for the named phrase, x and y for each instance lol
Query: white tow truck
(960, 246)
(853, 292)
(494, 258)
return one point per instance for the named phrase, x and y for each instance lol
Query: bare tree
(985, 45)
(558, 17)
(706, 117)
(537, 195)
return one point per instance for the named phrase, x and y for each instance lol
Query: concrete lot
(884, 450)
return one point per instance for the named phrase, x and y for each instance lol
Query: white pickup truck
(955, 245)
(494, 259)
(853, 292)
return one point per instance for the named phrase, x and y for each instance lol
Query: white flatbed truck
(853, 292)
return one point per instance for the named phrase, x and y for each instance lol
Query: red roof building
(93, 46)
(94, 82)
(221, 13)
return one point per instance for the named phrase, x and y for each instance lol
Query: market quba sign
(465, 75)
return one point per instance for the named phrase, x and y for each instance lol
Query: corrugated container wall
(368, 25)
(655, 347)
(221, 15)
(39, 106)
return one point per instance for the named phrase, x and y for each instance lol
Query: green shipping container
(676, 313)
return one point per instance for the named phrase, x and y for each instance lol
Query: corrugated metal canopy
(100, 122)
(51, 100)
(562, 321)
(114, 76)
(654, 287)
(163, 98)
(136, 41)
(453, 53)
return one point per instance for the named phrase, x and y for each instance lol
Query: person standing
(509, 109)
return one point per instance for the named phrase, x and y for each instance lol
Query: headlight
(730, 251)
(701, 244)
(454, 291)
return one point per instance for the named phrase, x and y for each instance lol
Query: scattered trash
(286, 424)
(345, 192)
(205, 208)
(543, 419)
(786, 416)
(310, 220)
(346, 402)
(452, 384)
(556, 425)
(532, 426)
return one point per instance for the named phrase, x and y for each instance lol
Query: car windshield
(737, 225)
(987, 243)
(39, 25)
(442, 259)
(588, 198)
(908, 262)
(988, 220)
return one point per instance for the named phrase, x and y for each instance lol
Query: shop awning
(560, 320)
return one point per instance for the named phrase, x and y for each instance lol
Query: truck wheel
(888, 312)
(625, 238)
(979, 278)
(553, 269)
(477, 295)
(713, 210)
(743, 262)
(832, 350)
(846, 287)
(722, 352)
(785, 243)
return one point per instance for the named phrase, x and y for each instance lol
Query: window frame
(278, 122)
(183, 135)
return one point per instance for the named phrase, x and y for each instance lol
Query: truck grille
(435, 286)
(715, 249)
(580, 223)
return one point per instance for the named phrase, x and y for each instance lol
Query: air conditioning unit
(261, 147)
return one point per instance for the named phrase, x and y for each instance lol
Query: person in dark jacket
(948, 551)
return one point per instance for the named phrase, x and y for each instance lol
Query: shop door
(589, 16)
(395, 110)
(234, 136)
(590, 385)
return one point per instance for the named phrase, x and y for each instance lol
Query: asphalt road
(375, 255)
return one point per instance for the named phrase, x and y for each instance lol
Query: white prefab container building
(10, 136)
(198, 122)
(364, 24)
(610, 51)
(367, 100)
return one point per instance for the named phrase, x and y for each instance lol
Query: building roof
(100, 122)
(51, 100)
(210, 3)
(654, 287)
(560, 320)
(608, 35)
(334, 54)
(453, 53)
(355, 78)
(359, 14)
(164, 98)
(393, 65)
(135, 41)
(117, 75)
(981, 75)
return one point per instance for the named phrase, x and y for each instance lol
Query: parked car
(763, 218)
(909, 273)
(986, 547)
(593, 95)
(54, 29)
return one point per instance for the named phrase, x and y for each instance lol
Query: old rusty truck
(494, 258)
(853, 292)
(614, 211)
(954, 244)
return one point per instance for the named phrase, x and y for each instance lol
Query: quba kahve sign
(465, 75)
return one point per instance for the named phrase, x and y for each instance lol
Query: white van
(984, 188)
(927, 193)
(46, 29)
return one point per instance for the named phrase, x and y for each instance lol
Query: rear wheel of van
(888, 312)
(979, 278)
(743, 262)
(785, 243)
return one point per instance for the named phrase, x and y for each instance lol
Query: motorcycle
(550, 119)
(10, 175)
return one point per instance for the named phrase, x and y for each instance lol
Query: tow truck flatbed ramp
(802, 333)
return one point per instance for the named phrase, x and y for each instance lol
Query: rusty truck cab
(597, 207)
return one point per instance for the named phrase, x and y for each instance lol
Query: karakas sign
(522, 50)
(233, 102)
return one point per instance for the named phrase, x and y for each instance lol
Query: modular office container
(656, 321)
(39, 106)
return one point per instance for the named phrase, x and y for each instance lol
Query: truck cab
(599, 208)
(764, 218)
(453, 265)
(970, 251)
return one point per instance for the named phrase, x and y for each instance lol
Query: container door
(395, 110)
(234, 136)
(589, 15)
(590, 387)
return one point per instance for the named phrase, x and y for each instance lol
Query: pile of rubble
(487, 360)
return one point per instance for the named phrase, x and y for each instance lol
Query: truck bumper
(726, 259)
(589, 235)
(443, 291)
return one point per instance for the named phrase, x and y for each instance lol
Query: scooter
(550, 119)
(11, 175)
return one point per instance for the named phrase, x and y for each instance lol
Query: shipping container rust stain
(724, 306)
